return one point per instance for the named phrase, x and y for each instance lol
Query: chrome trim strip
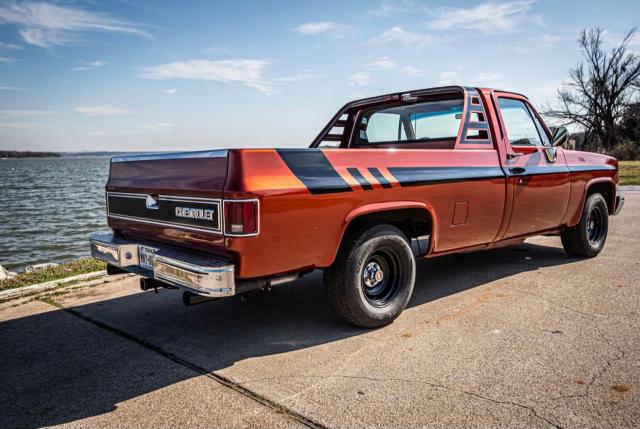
(167, 224)
(619, 205)
(127, 194)
(181, 198)
(192, 267)
(581, 168)
(242, 200)
(217, 153)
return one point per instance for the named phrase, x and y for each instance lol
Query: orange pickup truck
(389, 179)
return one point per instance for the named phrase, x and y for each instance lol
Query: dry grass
(629, 172)
(67, 269)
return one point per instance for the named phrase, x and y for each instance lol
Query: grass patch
(629, 172)
(67, 269)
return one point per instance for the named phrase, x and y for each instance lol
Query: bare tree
(600, 89)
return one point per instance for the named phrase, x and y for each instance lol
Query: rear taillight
(241, 217)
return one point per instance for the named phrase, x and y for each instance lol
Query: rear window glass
(420, 122)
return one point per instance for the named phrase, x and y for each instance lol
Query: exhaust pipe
(243, 286)
(190, 298)
(149, 284)
(113, 270)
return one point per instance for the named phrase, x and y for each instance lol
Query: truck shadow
(57, 368)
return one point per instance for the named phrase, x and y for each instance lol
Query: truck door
(537, 174)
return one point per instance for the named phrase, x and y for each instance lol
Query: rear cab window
(430, 124)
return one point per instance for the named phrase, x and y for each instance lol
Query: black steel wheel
(372, 279)
(596, 225)
(381, 278)
(587, 238)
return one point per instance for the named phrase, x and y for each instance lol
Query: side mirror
(560, 136)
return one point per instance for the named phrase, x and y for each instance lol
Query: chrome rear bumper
(207, 275)
(619, 204)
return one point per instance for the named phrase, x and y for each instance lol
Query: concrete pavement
(518, 337)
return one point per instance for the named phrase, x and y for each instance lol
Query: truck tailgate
(169, 197)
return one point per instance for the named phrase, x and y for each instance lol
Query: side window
(437, 125)
(382, 127)
(541, 131)
(520, 127)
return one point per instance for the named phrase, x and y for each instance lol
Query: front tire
(587, 238)
(372, 279)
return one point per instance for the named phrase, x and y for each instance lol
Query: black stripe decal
(360, 178)
(537, 170)
(379, 177)
(414, 176)
(313, 169)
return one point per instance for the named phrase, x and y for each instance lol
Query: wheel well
(607, 190)
(415, 224)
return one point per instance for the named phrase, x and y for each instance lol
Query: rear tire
(587, 238)
(372, 278)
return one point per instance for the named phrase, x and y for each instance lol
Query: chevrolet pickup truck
(389, 179)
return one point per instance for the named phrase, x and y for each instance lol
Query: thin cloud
(303, 75)
(7, 118)
(388, 8)
(47, 25)
(157, 126)
(102, 110)
(16, 125)
(90, 65)
(10, 88)
(12, 46)
(612, 40)
(314, 28)
(487, 17)
(5, 60)
(449, 78)
(249, 72)
(323, 28)
(400, 35)
(462, 76)
(170, 91)
(11, 114)
(533, 44)
(412, 71)
(360, 79)
(381, 63)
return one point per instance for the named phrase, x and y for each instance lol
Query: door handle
(517, 170)
(512, 155)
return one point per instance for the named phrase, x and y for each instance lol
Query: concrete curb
(629, 188)
(23, 291)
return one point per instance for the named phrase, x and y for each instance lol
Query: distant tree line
(602, 97)
(27, 154)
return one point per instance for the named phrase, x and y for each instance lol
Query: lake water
(49, 207)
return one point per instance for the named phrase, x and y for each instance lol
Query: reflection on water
(48, 208)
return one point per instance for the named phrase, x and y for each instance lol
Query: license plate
(147, 255)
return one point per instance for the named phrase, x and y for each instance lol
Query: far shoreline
(14, 154)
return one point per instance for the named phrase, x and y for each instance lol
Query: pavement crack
(435, 384)
(263, 400)
(557, 305)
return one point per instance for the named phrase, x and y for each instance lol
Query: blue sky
(160, 75)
